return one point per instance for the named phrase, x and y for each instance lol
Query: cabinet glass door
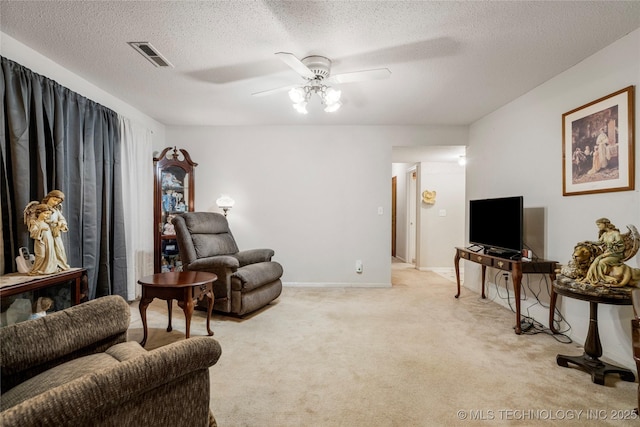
(174, 195)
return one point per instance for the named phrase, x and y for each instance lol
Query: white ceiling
(451, 62)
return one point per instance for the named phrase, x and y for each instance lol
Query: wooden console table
(589, 360)
(515, 267)
(17, 283)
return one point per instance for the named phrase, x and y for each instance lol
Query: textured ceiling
(451, 62)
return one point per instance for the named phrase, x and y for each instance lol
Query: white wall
(441, 224)
(311, 193)
(517, 150)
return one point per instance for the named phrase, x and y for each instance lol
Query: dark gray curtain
(53, 138)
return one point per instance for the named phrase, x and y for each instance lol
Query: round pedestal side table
(185, 287)
(589, 361)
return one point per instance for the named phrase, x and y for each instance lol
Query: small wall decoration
(429, 197)
(598, 145)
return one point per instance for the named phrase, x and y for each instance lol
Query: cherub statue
(36, 217)
(601, 262)
(58, 225)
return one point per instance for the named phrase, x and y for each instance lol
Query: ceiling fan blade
(359, 76)
(275, 90)
(295, 64)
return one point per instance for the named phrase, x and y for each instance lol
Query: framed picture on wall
(598, 145)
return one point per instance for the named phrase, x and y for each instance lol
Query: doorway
(404, 212)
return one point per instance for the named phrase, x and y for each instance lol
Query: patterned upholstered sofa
(75, 368)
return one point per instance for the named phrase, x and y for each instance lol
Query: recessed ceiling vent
(151, 53)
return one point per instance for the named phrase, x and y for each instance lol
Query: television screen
(496, 224)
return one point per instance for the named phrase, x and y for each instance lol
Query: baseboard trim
(441, 270)
(334, 285)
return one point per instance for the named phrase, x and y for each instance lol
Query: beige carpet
(410, 355)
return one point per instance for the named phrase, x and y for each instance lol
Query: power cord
(529, 325)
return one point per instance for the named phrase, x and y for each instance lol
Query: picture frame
(598, 145)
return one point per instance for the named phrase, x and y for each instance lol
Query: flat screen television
(497, 225)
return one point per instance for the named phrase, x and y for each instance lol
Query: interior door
(394, 186)
(412, 177)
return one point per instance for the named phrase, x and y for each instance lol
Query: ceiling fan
(316, 70)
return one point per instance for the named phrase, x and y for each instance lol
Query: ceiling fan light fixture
(316, 70)
(331, 96)
(298, 95)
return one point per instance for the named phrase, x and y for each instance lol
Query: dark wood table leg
(456, 264)
(169, 313)
(593, 346)
(84, 287)
(77, 293)
(144, 303)
(552, 310)
(186, 303)
(484, 275)
(589, 361)
(516, 276)
(209, 296)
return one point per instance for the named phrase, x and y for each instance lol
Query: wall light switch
(359, 266)
(442, 212)
(380, 210)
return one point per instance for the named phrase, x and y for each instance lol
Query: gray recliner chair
(247, 280)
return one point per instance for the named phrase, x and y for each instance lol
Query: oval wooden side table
(183, 286)
(590, 359)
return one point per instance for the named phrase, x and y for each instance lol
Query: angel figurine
(36, 216)
(58, 225)
(601, 262)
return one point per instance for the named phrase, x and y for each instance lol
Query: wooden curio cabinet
(173, 194)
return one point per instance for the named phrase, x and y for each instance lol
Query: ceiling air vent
(148, 51)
